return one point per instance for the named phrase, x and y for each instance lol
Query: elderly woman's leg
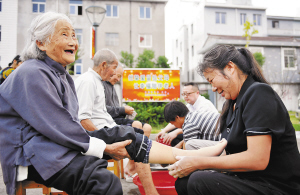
(83, 175)
(163, 154)
(145, 150)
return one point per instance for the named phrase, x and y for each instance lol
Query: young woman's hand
(183, 167)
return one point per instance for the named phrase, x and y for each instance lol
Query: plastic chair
(116, 168)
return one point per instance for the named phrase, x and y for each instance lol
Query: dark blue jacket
(38, 120)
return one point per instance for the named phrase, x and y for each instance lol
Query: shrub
(149, 112)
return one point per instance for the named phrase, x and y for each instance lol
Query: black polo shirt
(260, 111)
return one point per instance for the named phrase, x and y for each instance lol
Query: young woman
(262, 154)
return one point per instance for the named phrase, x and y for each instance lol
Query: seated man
(195, 102)
(117, 112)
(198, 127)
(93, 114)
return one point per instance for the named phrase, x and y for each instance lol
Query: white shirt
(91, 99)
(202, 105)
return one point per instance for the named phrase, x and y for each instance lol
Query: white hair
(104, 55)
(41, 29)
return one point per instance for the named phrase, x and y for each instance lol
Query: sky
(290, 8)
(280, 7)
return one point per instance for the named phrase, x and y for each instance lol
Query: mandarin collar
(248, 82)
(55, 65)
(109, 83)
(95, 73)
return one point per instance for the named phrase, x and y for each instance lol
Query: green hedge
(297, 127)
(149, 112)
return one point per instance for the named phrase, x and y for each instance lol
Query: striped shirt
(201, 125)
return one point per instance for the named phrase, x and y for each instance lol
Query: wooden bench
(23, 185)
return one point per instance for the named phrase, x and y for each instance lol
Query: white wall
(8, 22)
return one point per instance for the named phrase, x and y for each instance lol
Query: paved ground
(128, 188)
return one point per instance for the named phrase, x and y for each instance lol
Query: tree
(162, 62)
(127, 59)
(259, 58)
(247, 28)
(70, 67)
(145, 60)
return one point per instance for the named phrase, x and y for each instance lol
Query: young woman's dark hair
(17, 58)
(173, 109)
(219, 56)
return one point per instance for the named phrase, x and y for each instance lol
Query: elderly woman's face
(63, 44)
(226, 86)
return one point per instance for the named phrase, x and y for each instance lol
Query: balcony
(283, 32)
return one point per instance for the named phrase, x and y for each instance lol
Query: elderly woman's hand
(183, 167)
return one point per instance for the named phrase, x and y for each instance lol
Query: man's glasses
(187, 94)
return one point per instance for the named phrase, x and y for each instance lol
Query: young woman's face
(226, 86)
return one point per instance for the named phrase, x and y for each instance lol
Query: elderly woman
(262, 154)
(41, 138)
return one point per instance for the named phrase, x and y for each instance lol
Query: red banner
(93, 43)
(146, 85)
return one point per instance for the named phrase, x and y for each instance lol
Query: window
(289, 58)
(76, 7)
(38, 6)
(111, 39)
(220, 18)
(78, 67)
(79, 35)
(177, 61)
(243, 18)
(0, 5)
(192, 50)
(180, 46)
(192, 28)
(275, 24)
(176, 43)
(257, 19)
(145, 40)
(145, 12)
(112, 11)
(0, 32)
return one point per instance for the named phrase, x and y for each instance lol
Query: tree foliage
(259, 58)
(127, 59)
(162, 62)
(249, 31)
(145, 59)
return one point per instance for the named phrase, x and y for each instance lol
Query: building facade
(278, 39)
(128, 25)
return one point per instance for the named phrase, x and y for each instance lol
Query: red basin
(164, 183)
(161, 140)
